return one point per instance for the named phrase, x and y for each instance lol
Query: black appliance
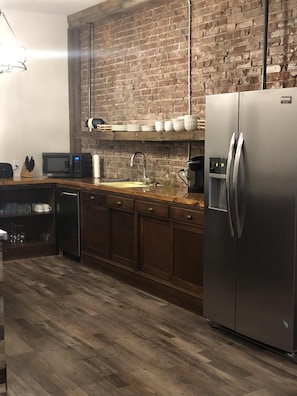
(68, 222)
(75, 165)
(196, 175)
(6, 171)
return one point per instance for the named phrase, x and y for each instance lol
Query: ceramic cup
(168, 125)
(159, 126)
(41, 207)
(37, 207)
(46, 207)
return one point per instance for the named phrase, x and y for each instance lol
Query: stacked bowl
(190, 122)
(178, 124)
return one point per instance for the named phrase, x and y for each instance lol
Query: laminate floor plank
(71, 330)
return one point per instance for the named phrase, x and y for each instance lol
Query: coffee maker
(196, 175)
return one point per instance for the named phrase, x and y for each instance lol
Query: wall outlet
(16, 164)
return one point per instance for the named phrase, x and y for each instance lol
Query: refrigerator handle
(238, 155)
(230, 161)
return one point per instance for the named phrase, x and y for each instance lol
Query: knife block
(25, 173)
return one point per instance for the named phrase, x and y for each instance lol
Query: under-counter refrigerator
(250, 215)
(68, 222)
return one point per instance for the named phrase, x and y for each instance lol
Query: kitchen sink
(124, 184)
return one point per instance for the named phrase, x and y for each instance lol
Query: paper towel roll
(96, 166)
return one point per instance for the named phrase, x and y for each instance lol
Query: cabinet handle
(92, 197)
(119, 203)
(189, 217)
(150, 209)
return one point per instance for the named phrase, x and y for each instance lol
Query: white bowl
(192, 118)
(148, 128)
(179, 125)
(159, 125)
(191, 126)
(168, 125)
(191, 122)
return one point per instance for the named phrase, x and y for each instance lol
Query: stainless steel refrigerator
(250, 215)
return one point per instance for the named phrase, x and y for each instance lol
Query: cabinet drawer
(120, 202)
(96, 199)
(187, 215)
(152, 208)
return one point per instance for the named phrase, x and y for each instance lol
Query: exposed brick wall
(140, 65)
(162, 158)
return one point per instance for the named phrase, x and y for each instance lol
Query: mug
(37, 207)
(46, 207)
(41, 207)
(159, 126)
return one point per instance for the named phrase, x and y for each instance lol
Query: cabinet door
(188, 256)
(187, 230)
(121, 234)
(155, 247)
(94, 225)
(121, 229)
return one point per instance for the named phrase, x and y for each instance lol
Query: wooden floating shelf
(148, 136)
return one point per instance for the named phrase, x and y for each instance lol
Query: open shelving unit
(29, 233)
(173, 136)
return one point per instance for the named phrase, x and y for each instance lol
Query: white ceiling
(57, 7)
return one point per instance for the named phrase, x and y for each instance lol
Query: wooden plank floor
(71, 330)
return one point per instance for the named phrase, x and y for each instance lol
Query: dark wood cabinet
(108, 228)
(151, 243)
(94, 225)
(121, 229)
(187, 234)
(171, 243)
(154, 241)
(30, 233)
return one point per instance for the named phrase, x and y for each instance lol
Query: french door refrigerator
(250, 215)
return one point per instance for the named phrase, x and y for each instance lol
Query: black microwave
(67, 164)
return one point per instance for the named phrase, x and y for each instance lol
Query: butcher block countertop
(169, 194)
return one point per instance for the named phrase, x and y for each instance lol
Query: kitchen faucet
(145, 177)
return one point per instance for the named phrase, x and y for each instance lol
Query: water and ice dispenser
(217, 184)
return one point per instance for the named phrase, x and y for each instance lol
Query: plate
(133, 127)
(119, 128)
(148, 128)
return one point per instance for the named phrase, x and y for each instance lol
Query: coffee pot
(193, 175)
(196, 174)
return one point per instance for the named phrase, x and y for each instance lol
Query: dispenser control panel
(217, 184)
(218, 165)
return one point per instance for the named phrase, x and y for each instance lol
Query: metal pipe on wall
(189, 66)
(265, 40)
(90, 69)
(189, 54)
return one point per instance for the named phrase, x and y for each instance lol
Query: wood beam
(107, 9)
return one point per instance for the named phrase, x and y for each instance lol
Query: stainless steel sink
(124, 184)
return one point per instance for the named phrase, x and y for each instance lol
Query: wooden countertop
(174, 194)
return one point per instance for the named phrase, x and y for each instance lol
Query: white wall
(34, 110)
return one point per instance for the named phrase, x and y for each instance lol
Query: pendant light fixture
(12, 55)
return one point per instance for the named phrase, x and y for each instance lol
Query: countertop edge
(175, 195)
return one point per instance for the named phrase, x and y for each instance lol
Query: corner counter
(168, 194)
(174, 194)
